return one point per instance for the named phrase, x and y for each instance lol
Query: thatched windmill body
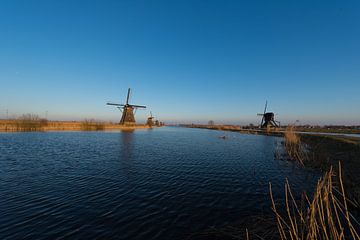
(268, 119)
(127, 109)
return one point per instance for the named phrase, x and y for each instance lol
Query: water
(148, 184)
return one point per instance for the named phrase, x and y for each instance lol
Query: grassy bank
(313, 150)
(233, 128)
(326, 151)
(274, 131)
(86, 125)
(327, 213)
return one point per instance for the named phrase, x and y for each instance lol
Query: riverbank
(15, 126)
(328, 151)
(325, 151)
(277, 131)
(234, 128)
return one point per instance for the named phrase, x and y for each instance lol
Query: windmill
(150, 121)
(127, 110)
(268, 119)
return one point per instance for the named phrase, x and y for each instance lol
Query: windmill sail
(127, 117)
(268, 119)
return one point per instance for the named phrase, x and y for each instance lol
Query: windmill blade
(115, 104)
(260, 114)
(137, 106)
(275, 123)
(278, 122)
(128, 96)
(265, 107)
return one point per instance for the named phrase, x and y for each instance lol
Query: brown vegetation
(294, 147)
(92, 125)
(14, 126)
(325, 216)
(30, 122)
(326, 151)
(234, 128)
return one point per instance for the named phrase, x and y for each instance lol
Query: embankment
(320, 218)
(233, 128)
(324, 151)
(16, 126)
(327, 151)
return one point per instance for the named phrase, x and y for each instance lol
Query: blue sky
(188, 61)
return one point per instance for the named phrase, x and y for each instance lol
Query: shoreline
(326, 150)
(276, 132)
(8, 126)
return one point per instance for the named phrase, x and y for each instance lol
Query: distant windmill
(268, 119)
(157, 123)
(150, 120)
(127, 109)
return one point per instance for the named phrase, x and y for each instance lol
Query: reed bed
(92, 125)
(15, 125)
(325, 216)
(30, 122)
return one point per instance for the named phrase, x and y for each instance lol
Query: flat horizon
(188, 62)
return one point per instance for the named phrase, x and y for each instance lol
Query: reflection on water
(126, 145)
(150, 184)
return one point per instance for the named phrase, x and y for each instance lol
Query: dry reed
(294, 147)
(30, 122)
(92, 125)
(326, 216)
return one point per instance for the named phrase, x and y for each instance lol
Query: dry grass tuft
(326, 216)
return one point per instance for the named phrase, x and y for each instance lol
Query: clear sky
(188, 61)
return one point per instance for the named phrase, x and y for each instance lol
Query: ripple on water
(157, 184)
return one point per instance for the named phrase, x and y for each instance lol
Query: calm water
(148, 184)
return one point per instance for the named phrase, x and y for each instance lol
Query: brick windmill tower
(127, 110)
